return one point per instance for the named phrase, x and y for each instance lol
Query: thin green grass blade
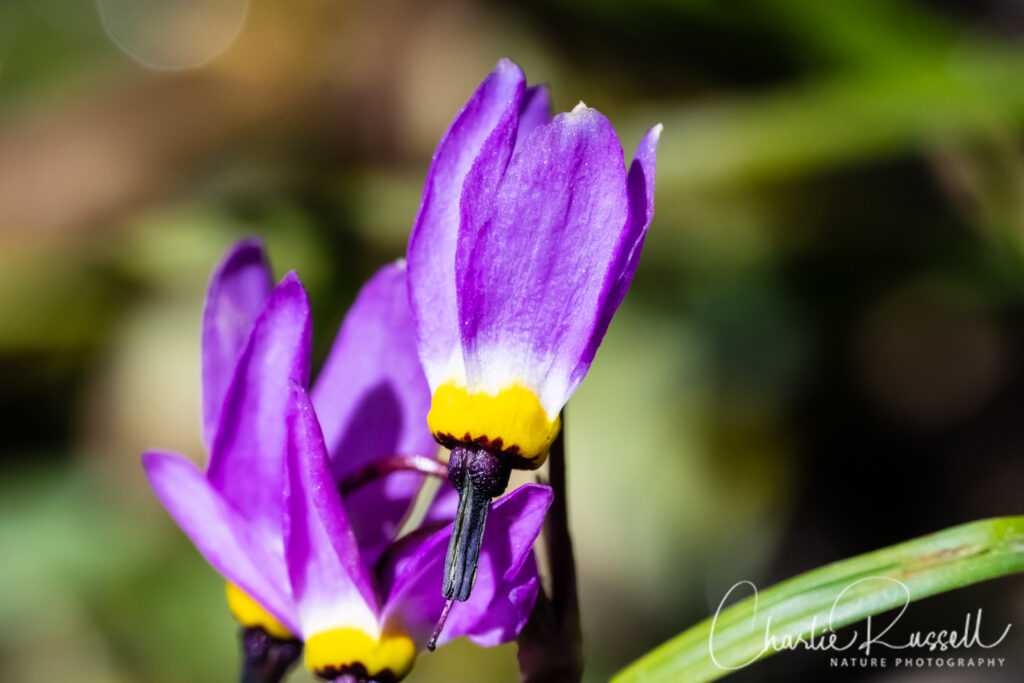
(838, 594)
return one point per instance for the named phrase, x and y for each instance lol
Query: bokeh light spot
(173, 34)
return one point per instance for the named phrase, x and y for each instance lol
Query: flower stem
(551, 642)
(385, 466)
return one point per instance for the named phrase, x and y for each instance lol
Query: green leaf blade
(836, 595)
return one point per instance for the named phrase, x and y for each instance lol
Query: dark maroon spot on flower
(450, 441)
(355, 673)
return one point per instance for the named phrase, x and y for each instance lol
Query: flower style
(370, 402)
(527, 238)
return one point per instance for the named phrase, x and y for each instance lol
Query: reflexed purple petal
(238, 288)
(534, 110)
(378, 510)
(641, 210)
(247, 459)
(328, 579)
(534, 261)
(508, 612)
(490, 117)
(505, 581)
(372, 400)
(222, 535)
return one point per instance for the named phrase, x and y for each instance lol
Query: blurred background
(821, 353)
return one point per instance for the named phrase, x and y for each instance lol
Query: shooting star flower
(372, 400)
(527, 238)
(365, 622)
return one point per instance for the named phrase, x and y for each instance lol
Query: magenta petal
(508, 612)
(641, 210)
(505, 581)
(223, 536)
(490, 116)
(535, 259)
(238, 288)
(372, 400)
(247, 459)
(331, 586)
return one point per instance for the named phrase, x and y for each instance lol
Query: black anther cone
(478, 475)
(266, 659)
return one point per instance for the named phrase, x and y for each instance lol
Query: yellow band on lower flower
(512, 421)
(248, 612)
(342, 650)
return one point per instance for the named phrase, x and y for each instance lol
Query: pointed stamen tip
(432, 643)
(579, 107)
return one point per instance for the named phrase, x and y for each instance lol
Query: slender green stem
(551, 642)
(838, 594)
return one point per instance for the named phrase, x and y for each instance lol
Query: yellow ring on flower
(512, 421)
(248, 612)
(341, 649)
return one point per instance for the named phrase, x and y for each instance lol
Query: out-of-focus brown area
(820, 354)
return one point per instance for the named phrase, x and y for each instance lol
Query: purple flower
(369, 622)
(371, 395)
(255, 343)
(527, 238)
(267, 513)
